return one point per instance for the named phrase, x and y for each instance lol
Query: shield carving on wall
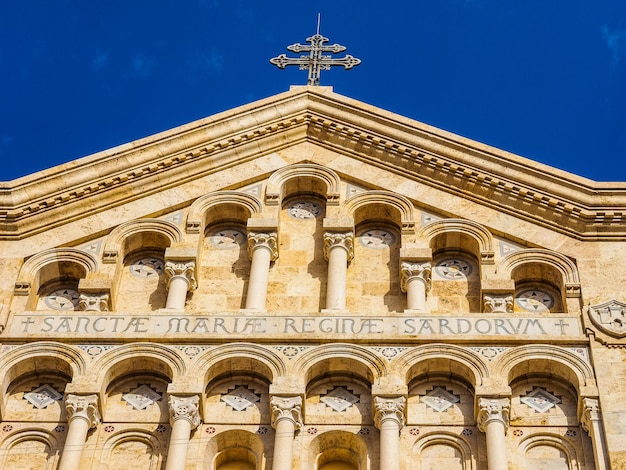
(609, 317)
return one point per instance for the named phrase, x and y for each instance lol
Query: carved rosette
(94, 302)
(493, 409)
(186, 408)
(181, 269)
(498, 303)
(267, 240)
(590, 414)
(287, 408)
(339, 240)
(83, 407)
(389, 409)
(410, 270)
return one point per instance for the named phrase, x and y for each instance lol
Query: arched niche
(30, 449)
(459, 235)
(440, 399)
(339, 449)
(221, 207)
(547, 450)
(436, 450)
(139, 397)
(132, 449)
(302, 178)
(382, 206)
(239, 398)
(235, 450)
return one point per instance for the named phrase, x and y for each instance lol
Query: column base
(417, 311)
(252, 310)
(171, 310)
(334, 310)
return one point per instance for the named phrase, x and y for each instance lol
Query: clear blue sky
(545, 79)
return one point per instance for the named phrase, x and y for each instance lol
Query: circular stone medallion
(62, 299)
(304, 210)
(147, 267)
(228, 239)
(376, 238)
(456, 269)
(535, 300)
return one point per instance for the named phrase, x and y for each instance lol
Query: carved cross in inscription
(316, 61)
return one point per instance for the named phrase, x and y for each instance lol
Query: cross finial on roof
(315, 61)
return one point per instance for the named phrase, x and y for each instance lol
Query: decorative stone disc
(339, 399)
(535, 300)
(376, 239)
(304, 210)
(62, 299)
(540, 400)
(240, 398)
(228, 239)
(439, 399)
(456, 269)
(142, 397)
(42, 396)
(147, 267)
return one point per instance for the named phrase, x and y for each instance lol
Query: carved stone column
(262, 249)
(389, 419)
(338, 250)
(94, 302)
(286, 419)
(415, 281)
(493, 420)
(82, 415)
(184, 418)
(591, 420)
(181, 277)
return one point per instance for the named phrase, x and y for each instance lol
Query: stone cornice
(555, 199)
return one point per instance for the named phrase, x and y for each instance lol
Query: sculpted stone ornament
(185, 270)
(267, 240)
(287, 408)
(93, 302)
(339, 240)
(84, 407)
(609, 317)
(493, 409)
(389, 408)
(498, 303)
(410, 270)
(184, 408)
(590, 414)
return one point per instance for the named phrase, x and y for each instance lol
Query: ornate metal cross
(315, 61)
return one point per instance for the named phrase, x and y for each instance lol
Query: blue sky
(545, 79)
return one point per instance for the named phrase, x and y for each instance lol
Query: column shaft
(181, 278)
(416, 294)
(493, 420)
(177, 293)
(259, 274)
(389, 419)
(179, 441)
(336, 283)
(283, 444)
(74, 443)
(592, 423)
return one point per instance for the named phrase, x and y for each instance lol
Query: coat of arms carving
(609, 317)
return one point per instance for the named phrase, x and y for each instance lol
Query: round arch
(550, 440)
(475, 231)
(25, 436)
(468, 365)
(332, 445)
(386, 198)
(455, 441)
(235, 444)
(276, 182)
(197, 217)
(115, 239)
(132, 435)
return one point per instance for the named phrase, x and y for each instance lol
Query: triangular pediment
(447, 173)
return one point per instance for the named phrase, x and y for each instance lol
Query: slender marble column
(286, 419)
(389, 419)
(493, 420)
(262, 249)
(82, 415)
(180, 278)
(338, 250)
(415, 281)
(592, 423)
(184, 418)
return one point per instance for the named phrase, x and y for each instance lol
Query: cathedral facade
(309, 282)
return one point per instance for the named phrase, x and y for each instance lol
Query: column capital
(343, 240)
(410, 270)
(184, 407)
(494, 303)
(181, 269)
(590, 413)
(389, 408)
(83, 407)
(93, 301)
(493, 409)
(267, 240)
(287, 408)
